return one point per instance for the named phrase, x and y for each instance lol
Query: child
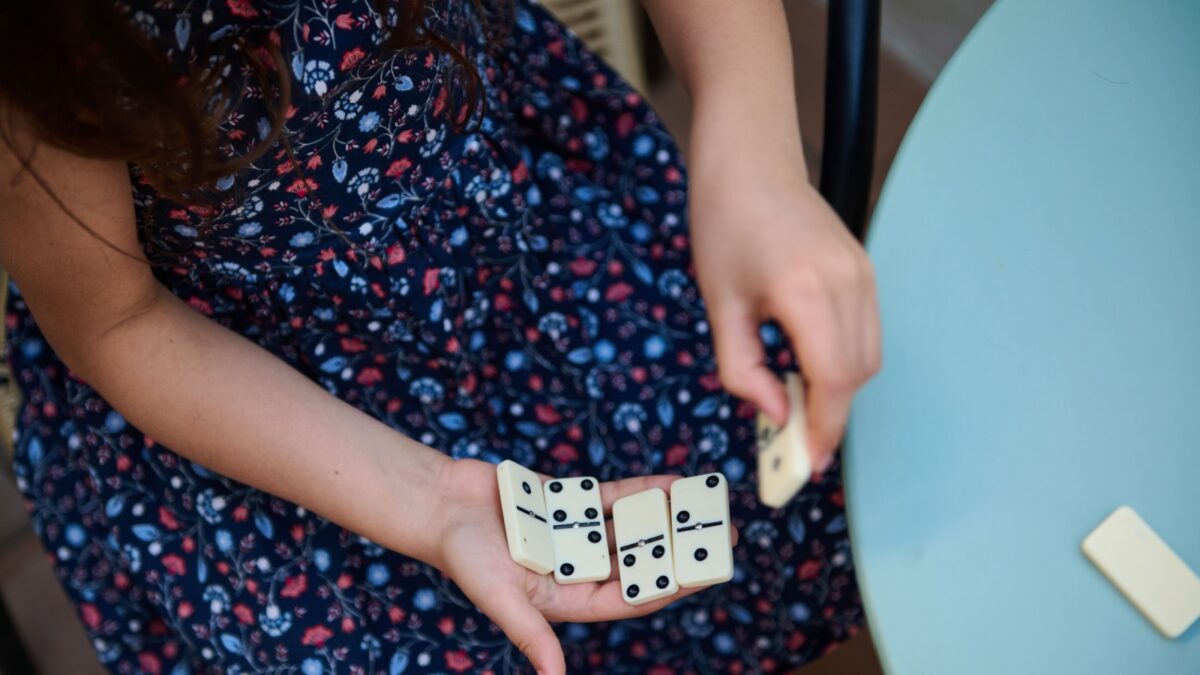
(290, 275)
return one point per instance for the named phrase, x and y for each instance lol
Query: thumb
(525, 626)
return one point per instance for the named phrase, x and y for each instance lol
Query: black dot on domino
(586, 484)
(663, 581)
(683, 516)
(629, 560)
(525, 486)
(556, 487)
(776, 463)
(560, 515)
(700, 554)
(567, 569)
(591, 513)
(632, 591)
(594, 537)
(658, 551)
(712, 481)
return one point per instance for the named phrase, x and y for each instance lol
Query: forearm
(224, 402)
(735, 60)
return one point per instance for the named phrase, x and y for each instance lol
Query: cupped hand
(474, 553)
(768, 246)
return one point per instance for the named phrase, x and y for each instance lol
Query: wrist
(745, 143)
(405, 501)
(465, 494)
(441, 514)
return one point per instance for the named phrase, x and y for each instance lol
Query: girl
(290, 275)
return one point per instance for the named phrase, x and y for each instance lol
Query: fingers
(604, 602)
(872, 332)
(830, 407)
(859, 306)
(525, 626)
(741, 363)
(655, 605)
(609, 601)
(611, 491)
(811, 323)
(614, 562)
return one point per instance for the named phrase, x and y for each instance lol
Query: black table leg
(851, 103)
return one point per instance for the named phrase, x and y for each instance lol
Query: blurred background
(918, 37)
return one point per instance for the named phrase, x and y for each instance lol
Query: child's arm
(765, 244)
(200, 389)
(217, 398)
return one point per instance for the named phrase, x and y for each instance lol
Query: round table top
(1038, 254)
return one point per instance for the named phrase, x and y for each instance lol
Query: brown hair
(86, 79)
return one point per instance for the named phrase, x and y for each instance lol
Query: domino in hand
(525, 524)
(783, 462)
(577, 530)
(642, 529)
(701, 540)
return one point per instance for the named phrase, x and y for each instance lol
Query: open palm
(474, 553)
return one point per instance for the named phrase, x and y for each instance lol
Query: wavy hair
(82, 77)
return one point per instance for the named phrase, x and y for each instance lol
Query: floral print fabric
(519, 288)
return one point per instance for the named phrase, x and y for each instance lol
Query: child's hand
(474, 553)
(767, 246)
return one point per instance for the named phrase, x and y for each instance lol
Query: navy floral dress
(519, 288)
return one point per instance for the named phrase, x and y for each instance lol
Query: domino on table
(783, 462)
(1150, 575)
(701, 537)
(642, 529)
(577, 530)
(524, 510)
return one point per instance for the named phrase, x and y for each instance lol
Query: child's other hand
(768, 246)
(474, 554)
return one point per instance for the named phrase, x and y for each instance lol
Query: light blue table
(1038, 256)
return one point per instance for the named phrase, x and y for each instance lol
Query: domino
(783, 462)
(642, 529)
(700, 537)
(577, 530)
(1150, 575)
(525, 524)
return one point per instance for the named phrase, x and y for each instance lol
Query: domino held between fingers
(784, 463)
